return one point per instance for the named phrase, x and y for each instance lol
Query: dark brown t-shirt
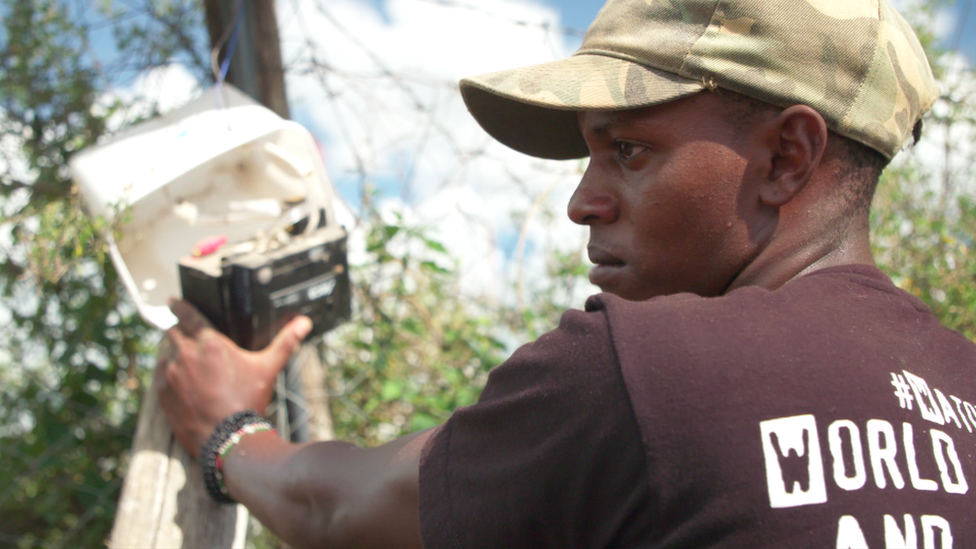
(833, 412)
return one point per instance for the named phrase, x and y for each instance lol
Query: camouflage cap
(857, 62)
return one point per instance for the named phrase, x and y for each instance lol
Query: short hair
(862, 168)
(861, 165)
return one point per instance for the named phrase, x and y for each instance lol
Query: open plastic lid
(209, 168)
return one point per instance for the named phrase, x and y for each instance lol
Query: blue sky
(577, 13)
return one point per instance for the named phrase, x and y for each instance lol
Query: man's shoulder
(855, 310)
(821, 292)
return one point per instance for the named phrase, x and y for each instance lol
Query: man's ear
(798, 138)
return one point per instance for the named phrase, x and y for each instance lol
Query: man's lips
(601, 257)
(606, 266)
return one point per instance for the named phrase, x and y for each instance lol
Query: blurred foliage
(72, 351)
(923, 218)
(927, 248)
(566, 273)
(415, 351)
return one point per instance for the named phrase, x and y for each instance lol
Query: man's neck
(787, 258)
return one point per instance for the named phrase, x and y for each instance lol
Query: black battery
(250, 296)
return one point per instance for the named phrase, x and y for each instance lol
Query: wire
(220, 68)
(231, 47)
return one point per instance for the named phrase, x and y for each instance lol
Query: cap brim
(533, 109)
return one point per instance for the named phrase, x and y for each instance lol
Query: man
(749, 379)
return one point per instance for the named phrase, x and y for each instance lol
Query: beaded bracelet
(227, 434)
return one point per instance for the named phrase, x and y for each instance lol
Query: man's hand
(206, 377)
(325, 494)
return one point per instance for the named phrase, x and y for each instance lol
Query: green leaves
(926, 245)
(416, 349)
(392, 390)
(74, 354)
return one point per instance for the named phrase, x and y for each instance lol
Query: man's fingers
(181, 344)
(286, 342)
(191, 321)
(176, 339)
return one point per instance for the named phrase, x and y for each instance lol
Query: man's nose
(593, 203)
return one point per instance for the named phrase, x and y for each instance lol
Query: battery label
(312, 290)
(322, 289)
(287, 300)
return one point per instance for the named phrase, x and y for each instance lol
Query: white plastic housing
(209, 157)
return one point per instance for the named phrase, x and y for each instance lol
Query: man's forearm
(329, 494)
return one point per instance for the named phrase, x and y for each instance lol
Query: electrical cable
(230, 48)
(220, 69)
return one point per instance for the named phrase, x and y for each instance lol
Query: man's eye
(627, 150)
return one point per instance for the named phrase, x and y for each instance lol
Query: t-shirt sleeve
(550, 456)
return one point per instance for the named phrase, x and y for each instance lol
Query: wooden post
(312, 373)
(163, 503)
